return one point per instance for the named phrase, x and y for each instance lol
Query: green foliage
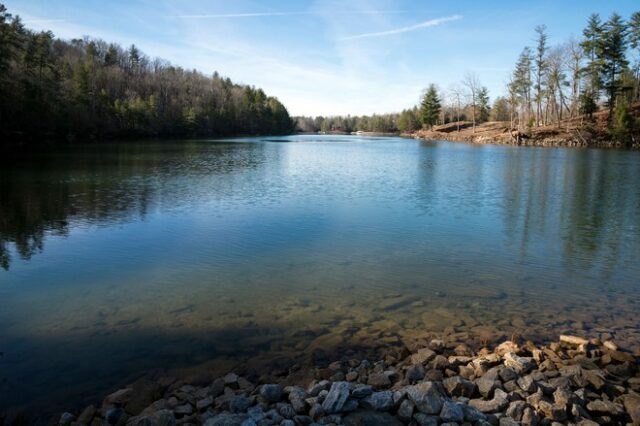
(614, 46)
(623, 123)
(57, 89)
(430, 107)
(521, 84)
(500, 109)
(408, 121)
(483, 105)
(382, 123)
(588, 103)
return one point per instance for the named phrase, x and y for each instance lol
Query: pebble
(444, 384)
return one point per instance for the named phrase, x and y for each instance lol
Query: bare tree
(456, 93)
(472, 83)
(575, 57)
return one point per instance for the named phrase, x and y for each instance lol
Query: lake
(121, 258)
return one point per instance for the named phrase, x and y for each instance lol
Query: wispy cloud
(261, 14)
(425, 24)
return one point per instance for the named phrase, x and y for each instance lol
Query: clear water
(125, 257)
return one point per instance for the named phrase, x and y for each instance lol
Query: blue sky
(325, 57)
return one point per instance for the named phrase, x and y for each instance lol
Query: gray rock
(457, 386)
(332, 419)
(184, 409)
(287, 422)
(249, 422)
(379, 380)
(142, 421)
(451, 412)
(426, 420)
(520, 365)
(271, 392)
(302, 420)
(516, 410)
(239, 404)
(507, 374)
(226, 419)
(217, 388)
(350, 405)
(379, 401)
(66, 419)
(604, 407)
(472, 414)
(316, 411)
(298, 404)
(527, 384)
(426, 397)
(552, 411)
(87, 415)
(371, 418)
(415, 373)
(423, 356)
(508, 421)
(286, 411)
(361, 391)
(486, 385)
(165, 418)
(113, 415)
(315, 389)
(274, 415)
(119, 397)
(632, 405)
(498, 403)
(405, 411)
(529, 417)
(336, 397)
(204, 403)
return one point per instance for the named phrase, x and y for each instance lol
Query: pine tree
(522, 81)
(593, 48)
(634, 42)
(614, 61)
(541, 67)
(430, 107)
(483, 105)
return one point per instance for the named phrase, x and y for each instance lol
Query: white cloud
(425, 24)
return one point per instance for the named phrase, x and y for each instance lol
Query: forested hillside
(57, 89)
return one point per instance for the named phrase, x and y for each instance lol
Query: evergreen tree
(541, 67)
(430, 107)
(52, 88)
(634, 42)
(483, 105)
(593, 48)
(614, 61)
(522, 81)
(623, 123)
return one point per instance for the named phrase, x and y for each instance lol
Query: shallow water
(125, 257)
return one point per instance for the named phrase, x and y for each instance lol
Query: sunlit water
(121, 258)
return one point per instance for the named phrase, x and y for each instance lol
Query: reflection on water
(126, 257)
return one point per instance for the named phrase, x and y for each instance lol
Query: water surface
(124, 257)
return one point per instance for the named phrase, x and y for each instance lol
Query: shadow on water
(124, 258)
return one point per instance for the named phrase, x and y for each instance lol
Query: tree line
(52, 88)
(579, 76)
(600, 70)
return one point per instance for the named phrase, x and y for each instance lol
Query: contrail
(425, 24)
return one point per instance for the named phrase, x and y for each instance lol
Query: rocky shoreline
(573, 381)
(500, 133)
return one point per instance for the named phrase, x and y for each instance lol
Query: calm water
(126, 257)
